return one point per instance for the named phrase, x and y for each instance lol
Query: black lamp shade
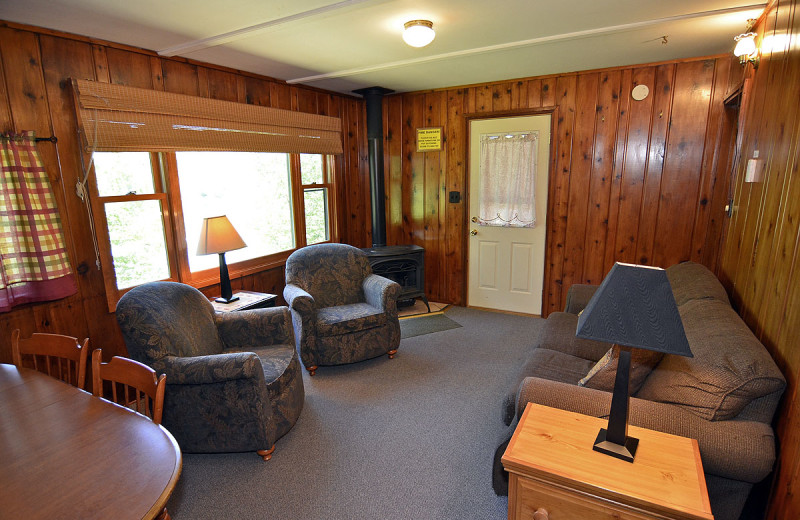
(633, 308)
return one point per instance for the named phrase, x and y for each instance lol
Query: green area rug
(425, 324)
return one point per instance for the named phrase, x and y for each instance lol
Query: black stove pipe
(373, 96)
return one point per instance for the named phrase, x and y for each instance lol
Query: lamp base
(227, 300)
(625, 452)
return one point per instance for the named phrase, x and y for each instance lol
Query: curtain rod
(52, 138)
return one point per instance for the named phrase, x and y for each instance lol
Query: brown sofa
(725, 396)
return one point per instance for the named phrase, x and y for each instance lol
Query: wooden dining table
(65, 453)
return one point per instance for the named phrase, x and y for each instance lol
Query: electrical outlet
(455, 197)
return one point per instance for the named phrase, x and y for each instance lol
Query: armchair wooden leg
(163, 515)
(266, 454)
(312, 370)
(392, 353)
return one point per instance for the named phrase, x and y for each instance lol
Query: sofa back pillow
(691, 281)
(730, 367)
(603, 374)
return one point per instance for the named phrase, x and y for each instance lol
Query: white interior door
(506, 264)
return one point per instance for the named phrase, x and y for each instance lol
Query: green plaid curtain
(33, 260)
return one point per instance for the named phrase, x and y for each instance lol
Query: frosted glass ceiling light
(418, 33)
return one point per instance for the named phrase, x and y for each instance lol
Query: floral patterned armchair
(234, 382)
(342, 313)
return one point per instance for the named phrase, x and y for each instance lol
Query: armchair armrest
(578, 297)
(216, 368)
(381, 292)
(739, 450)
(298, 300)
(255, 328)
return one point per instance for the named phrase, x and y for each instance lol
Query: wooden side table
(247, 300)
(555, 474)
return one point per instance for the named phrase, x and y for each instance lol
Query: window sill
(204, 279)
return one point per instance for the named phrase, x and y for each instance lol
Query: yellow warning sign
(429, 139)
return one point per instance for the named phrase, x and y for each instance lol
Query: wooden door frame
(729, 149)
(552, 111)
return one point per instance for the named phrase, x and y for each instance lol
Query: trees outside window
(149, 208)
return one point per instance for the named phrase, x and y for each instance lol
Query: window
(314, 176)
(133, 207)
(164, 161)
(252, 189)
(150, 206)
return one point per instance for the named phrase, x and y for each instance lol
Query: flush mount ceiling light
(418, 33)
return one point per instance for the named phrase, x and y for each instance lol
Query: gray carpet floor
(408, 438)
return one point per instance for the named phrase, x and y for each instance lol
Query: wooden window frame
(164, 168)
(298, 197)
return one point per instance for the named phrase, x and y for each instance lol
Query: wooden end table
(554, 471)
(247, 300)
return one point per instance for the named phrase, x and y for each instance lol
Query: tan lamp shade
(217, 235)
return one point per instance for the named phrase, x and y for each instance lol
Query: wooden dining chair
(61, 357)
(133, 384)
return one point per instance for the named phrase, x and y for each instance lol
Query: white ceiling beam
(219, 39)
(524, 43)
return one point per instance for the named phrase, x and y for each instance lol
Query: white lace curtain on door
(508, 178)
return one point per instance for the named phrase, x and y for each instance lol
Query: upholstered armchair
(341, 311)
(234, 382)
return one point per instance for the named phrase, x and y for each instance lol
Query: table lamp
(218, 236)
(633, 308)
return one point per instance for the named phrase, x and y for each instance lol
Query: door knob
(473, 232)
(474, 219)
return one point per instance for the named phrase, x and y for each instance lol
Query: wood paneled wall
(631, 181)
(34, 96)
(761, 260)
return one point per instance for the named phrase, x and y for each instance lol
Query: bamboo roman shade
(118, 118)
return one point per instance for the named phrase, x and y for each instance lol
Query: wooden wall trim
(106, 44)
(560, 74)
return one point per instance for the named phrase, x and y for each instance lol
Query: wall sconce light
(746, 49)
(418, 33)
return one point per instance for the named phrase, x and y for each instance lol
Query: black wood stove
(404, 264)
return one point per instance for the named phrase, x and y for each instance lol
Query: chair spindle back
(58, 356)
(133, 385)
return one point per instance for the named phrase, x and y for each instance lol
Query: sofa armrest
(739, 450)
(578, 297)
(298, 300)
(381, 292)
(217, 368)
(255, 327)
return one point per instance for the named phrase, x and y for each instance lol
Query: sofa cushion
(558, 333)
(730, 367)
(546, 364)
(344, 319)
(603, 374)
(691, 281)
